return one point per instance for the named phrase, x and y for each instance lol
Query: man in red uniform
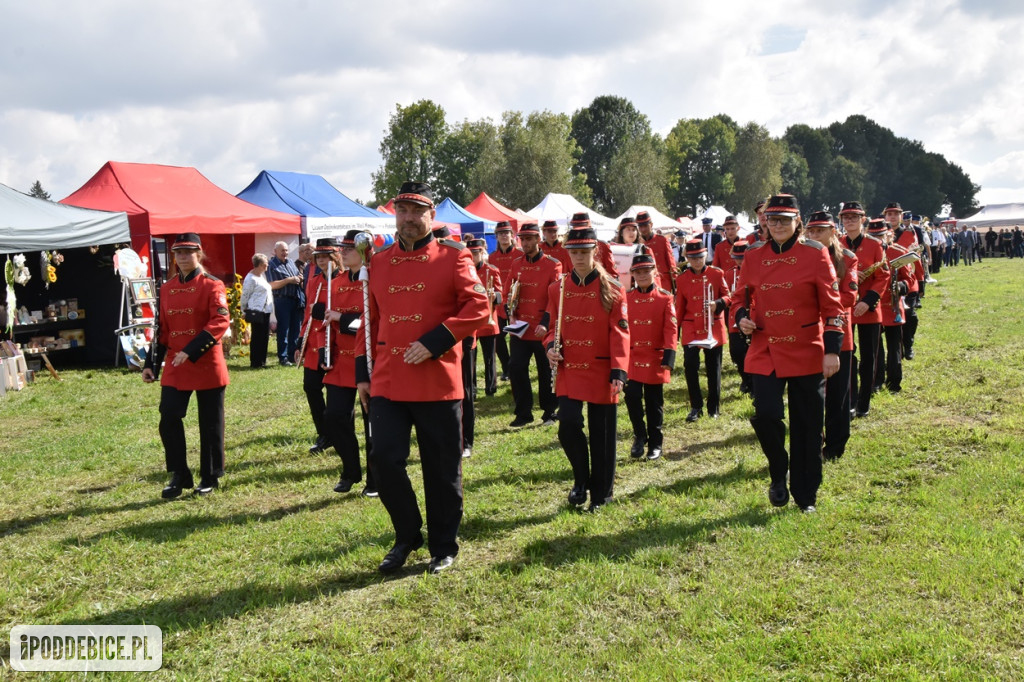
(534, 273)
(867, 316)
(737, 340)
(425, 297)
(313, 339)
(502, 258)
(722, 257)
(889, 370)
(552, 246)
(589, 343)
(701, 287)
(660, 248)
(491, 279)
(904, 235)
(193, 317)
(652, 354)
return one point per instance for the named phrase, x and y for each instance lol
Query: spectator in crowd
(257, 304)
(289, 302)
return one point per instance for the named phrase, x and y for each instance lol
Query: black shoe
(503, 377)
(490, 393)
(179, 481)
(894, 389)
(577, 496)
(344, 485)
(440, 563)
(321, 445)
(808, 509)
(594, 507)
(467, 453)
(654, 453)
(744, 387)
(398, 555)
(713, 415)
(909, 355)
(861, 413)
(694, 415)
(549, 419)
(370, 492)
(830, 456)
(637, 450)
(778, 495)
(207, 486)
(287, 363)
(521, 421)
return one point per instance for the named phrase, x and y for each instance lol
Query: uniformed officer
(700, 289)
(345, 317)
(737, 339)
(589, 343)
(193, 317)
(652, 354)
(790, 289)
(904, 235)
(722, 257)
(425, 297)
(551, 245)
(326, 256)
(483, 337)
(534, 273)
(660, 248)
(889, 370)
(821, 227)
(872, 272)
(502, 258)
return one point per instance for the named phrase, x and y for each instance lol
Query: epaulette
(813, 244)
(899, 247)
(848, 253)
(715, 267)
(869, 236)
(389, 246)
(459, 246)
(551, 257)
(665, 291)
(755, 245)
(204, 273)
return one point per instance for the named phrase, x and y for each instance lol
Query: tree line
(607, 156)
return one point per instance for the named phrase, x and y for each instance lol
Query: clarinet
(558, 329)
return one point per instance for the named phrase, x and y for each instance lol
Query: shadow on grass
(24, 523)
(526, 477)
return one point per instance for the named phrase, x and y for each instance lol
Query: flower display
(239, 327)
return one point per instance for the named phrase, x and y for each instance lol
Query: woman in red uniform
(588, 342)
(344, 317)
(796, 333)
(821, 227)
(193, 318)
(652, 354)
(314, 337)
(699, 287)
(889, 365)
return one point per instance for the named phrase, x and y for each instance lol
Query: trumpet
(513, 299)
(709, 303)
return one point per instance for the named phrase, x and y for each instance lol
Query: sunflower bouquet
(239, 327)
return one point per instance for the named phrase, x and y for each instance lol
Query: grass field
(913, 567)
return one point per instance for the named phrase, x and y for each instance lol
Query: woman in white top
(257, 303)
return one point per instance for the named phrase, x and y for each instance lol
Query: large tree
(700, 154)
(756, 167)
(815, 145)
(961, 193)
(637, 174)
(410, 148)
(601, 129)
(458, 156)
(796, 177)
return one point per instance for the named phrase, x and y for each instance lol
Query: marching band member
(502, 258)
(889, 372)
(652, 354)
(822, 228)
(659, 247)
(905, 236)
(737, 340)
(589, 345)
(346, 311)
(699, 287)
(534, 272)
(425, 298)
(552, 246)
(314, 337)
(604, 256)
(722, 257)
(193, 317)
(760, 231)
(790, 289)
(491, 278)
(872, 272)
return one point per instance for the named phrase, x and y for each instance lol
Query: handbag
(255, 317)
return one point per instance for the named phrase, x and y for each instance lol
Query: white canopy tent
(560, 207)
(660, 220)
(31, 224)
(996, 215)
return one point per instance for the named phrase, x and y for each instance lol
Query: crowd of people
(823, 313)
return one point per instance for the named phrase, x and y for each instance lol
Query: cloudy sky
(233, 87)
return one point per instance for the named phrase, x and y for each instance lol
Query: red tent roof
(388, 207)
(486, 207)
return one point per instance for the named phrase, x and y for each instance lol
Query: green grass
(912, 569)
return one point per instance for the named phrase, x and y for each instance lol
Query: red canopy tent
(486, 207)
(166, 200)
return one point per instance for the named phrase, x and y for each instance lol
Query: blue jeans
(289, 319)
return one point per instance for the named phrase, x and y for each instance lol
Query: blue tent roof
(302, 194)
(450, 212)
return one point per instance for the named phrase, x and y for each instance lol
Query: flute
(327, 324)
(558, 329)
(305, 334)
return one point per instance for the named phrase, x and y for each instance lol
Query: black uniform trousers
(439, 434)
(738, 352)
(713, 367)
(806, 417)
(469, 386)
(593, 462)
(501, 349)
(487, 345)
(173, 407)
(837, 407)
(519, 375)
(909, 327)
(339, 423)
(313, 387)
(862, 375)
(890, 359)
(652, 397)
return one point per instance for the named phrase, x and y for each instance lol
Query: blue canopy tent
(481, 228)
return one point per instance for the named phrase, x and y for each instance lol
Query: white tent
(996, 215)
(718, 215)
(560, 207)
(660, 220)
(31, 224)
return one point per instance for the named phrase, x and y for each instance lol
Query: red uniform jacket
(595, 343)
(906, 275)
(429, 294)
(907, 238)
(317, 335)
(193, 318)
(722, 258)
(795, 302)
(347, 299)
(653, 331)
(848, 296)
(664, 261)
(606, 258)
(491, 278)
(535, 275)
(869, 251)
(557, 252)
(503, 261)
(691, 292)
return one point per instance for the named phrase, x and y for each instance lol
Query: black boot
(180, 480)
